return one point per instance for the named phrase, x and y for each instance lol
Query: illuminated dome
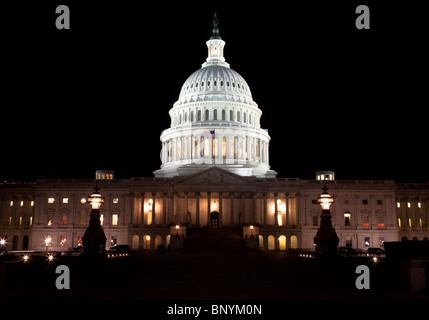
(214, 82)
(215, 122)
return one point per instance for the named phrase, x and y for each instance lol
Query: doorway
(214, 219)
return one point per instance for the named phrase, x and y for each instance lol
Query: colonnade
(234, 208)
(221, 146)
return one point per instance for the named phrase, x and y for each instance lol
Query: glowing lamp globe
(95, 199)
(325, 199)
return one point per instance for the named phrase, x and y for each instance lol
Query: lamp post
(94, 239)
(326, 239)
(177, 230)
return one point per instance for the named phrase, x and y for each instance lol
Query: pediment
(214, 176)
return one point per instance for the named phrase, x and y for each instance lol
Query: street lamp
(177, 230)
(326, 239)
(3, 245)
(47, 242)
(94, 239)
(251, 231)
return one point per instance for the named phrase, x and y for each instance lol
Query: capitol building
(214, 174)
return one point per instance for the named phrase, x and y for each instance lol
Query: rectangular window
(379, 201)
(398, 204)
(223, 147)
(22, 203)
(11, 203)
(101, 219)
(115, 200)
(31, 221)
(315, 221)
(419, 204)
(65, 200)
(410, 223)
(399, 223)
(32, 203)
(64, 221)
(20, 221)
(409, 204)
(63, 241)
(51, 200)
(346, 201)
(364, 201)
(114, 220)
(366, 242)
(49, 222)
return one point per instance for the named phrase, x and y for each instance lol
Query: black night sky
(97, 96)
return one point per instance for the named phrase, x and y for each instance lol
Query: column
(253, 219)
(243, 207)
(164, 209)
(175, 207)
(276, 220)
(264, 209)
(141, 211)
(220, 209)
(197, 209)
(287, 213)
(208, 208)
(153, 208)
(231, 213)
(186, 208)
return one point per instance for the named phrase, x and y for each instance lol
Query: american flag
(209, 134)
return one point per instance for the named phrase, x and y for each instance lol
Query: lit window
(31, 221)
(83, 200)
(32, 203)
(409, 223)
(65, 200)
(115, 200)
(64, 221)
(398, 204)
(366, 241)
(20, 221)
(381, 224)
(409, 204)
(63, 241)
(49, 222)
(114, 220)
(22, 203)
(399, 223)
(366, 224)
(11, 203)
(101, 219)
(51, 200)
(419, 204)
(347, 219)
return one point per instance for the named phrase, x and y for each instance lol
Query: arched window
(224, 147)
(261, 242)
(238, 116)
(244, 117)
(146, 242)
(135, 242)
(207, 115)
(231, 115)
(186, 117)
(282, 243)
(271, 244)
(293, 242)
(223, 114)
(158, 241)
(180, 119)
(214, 114)
(250, 119)
(192, 116)
(199, 115)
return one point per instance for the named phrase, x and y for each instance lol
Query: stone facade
(143, 212)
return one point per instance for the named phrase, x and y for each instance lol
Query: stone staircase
(213, 240)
